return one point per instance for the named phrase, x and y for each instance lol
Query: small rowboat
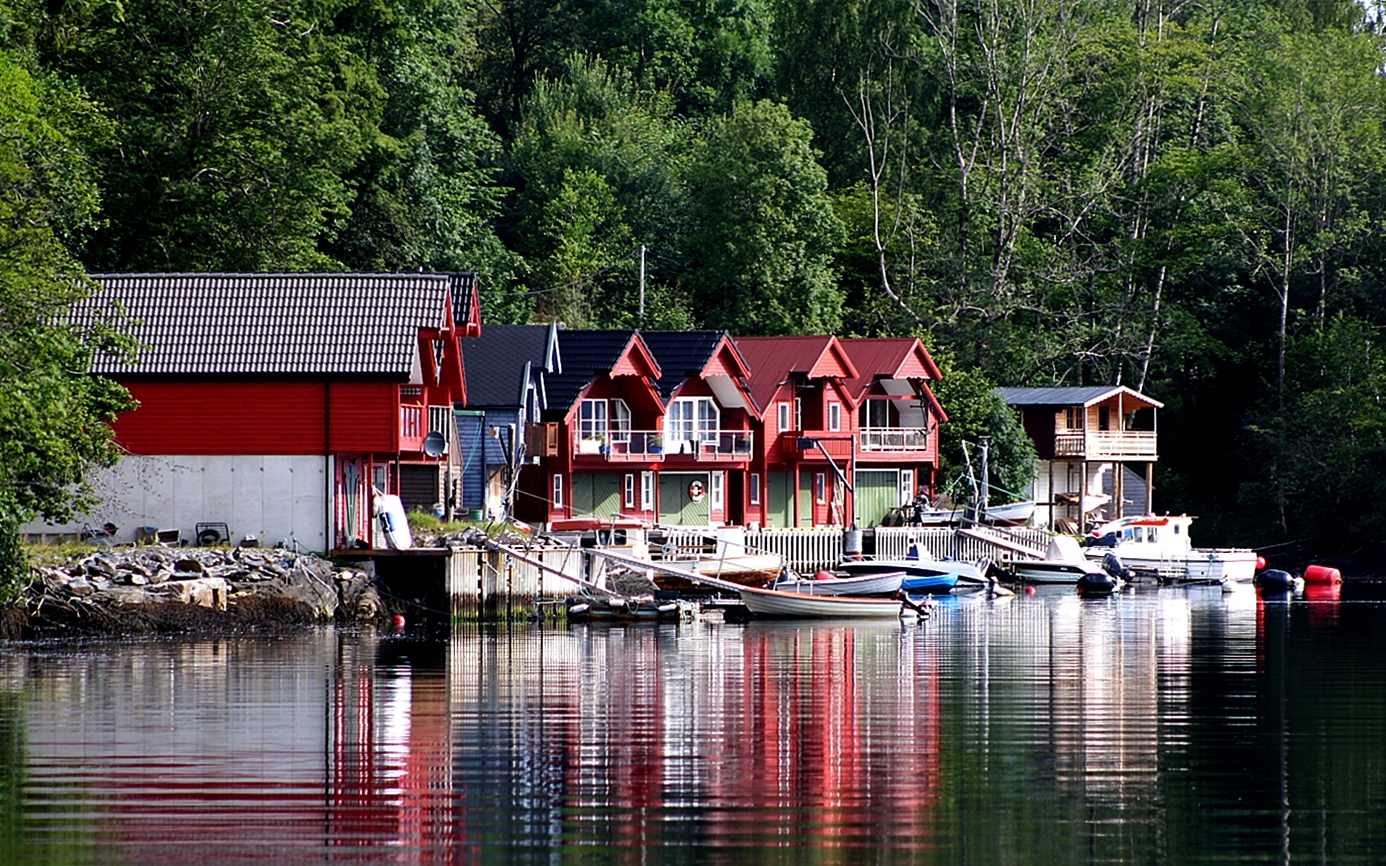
(775, 603)
(884, 584)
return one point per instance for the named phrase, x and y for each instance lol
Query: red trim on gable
(726, 361)
(636, 360)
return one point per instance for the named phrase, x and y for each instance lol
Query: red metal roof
(773, 360)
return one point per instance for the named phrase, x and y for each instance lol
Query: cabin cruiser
(1158, 547)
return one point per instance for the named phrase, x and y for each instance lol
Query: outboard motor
(1112, 565)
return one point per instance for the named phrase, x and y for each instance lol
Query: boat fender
(1322, 574)
(823, 575)
(1275, 579)
(667, 608)
(578, 608)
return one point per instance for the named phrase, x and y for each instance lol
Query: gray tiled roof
(1064, 396)
(269, 324)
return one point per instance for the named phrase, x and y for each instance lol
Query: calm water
(1163, 726)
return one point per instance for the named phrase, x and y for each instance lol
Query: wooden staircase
(1005, 540)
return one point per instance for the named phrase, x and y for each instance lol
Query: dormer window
(592, 419)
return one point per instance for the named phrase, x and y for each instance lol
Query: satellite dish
(434, 445)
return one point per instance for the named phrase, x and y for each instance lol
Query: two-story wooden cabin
(897, 419)
(807, 431)
(1097, 449)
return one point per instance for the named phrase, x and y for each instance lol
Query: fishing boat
(1158, 547)
(923, 573)
(1013, 514)
(883, 584)
(777, 603)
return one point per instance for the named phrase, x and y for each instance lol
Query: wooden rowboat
(881, 585)
(774, 603)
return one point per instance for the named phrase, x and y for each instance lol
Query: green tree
(975, 409)
(238, 121)
(764, 231)
(54, 418)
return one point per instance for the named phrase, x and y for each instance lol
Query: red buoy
(823, 575)
(1260, 563)
(399, 622)
(1322, 574)
(1029, 590)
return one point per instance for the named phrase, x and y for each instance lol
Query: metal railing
(894, 439)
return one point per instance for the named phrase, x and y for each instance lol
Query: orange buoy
(1322, 574)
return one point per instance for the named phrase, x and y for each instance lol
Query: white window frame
(718, 490)
(834, 416)
(593, 419)
(798, 413)
(630, 489)
(692, 419)
(558, 491)
(619, 421)
(755, 488)
(647, 488)
(906, 493)
(783, 416)
(820, 488)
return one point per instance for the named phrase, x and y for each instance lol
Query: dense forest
(1183, 197)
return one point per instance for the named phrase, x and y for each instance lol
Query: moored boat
(1064, 563)
(776, 603)
(620, 609)
(1157, 547)
(922, 573)
(883, 584)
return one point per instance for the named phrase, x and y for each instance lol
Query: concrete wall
(274, 498)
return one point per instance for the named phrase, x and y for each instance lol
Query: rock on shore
(154, 589)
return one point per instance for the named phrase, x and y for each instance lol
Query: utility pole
(641, 320)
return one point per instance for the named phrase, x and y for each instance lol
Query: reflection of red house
(273, 403)
(808, 431)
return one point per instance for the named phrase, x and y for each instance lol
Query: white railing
(894, 439)
(624, 445)
(893, 542)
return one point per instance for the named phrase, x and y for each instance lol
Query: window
(783, 417)
(755, 488)
(798, 414)
(1073, 418)
(718, 498)
(647, 491)
(834, 416)
(558, 491)
(1104, 417)
(592, 419)
(692, 419)
(820, 487)
(630, 490)
(875, 413)
(620, 421)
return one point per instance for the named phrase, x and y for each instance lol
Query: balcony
(411, 428)
(728, 446)
(1107, 445)
(797, 444)
(624, 445)
(894, 439)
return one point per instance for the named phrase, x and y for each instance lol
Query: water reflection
(1158, 726)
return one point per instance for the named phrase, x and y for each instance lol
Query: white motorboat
(1158, 547)
(775, 603)
(923, 573)
(1064, 563)
(883, 584)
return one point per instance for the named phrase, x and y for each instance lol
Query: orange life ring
(695, 491)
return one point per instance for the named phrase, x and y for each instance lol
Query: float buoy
(1029, 590)
(1276, 580)
(1098, 583)
(399, 622)
(823, 575)
(1260, 563)
(1322, 574)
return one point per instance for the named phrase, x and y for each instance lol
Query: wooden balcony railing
(1107, 445)
(411, 428)
(800, 443)
(894, 439)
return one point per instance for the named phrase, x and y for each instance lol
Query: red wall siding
(365, 416)
(223, 418)
(259, 418)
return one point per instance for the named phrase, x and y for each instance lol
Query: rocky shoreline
(143, 590)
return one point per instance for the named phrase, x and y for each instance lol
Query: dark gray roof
(269, 324)
(586, 355)
(680, 355)
(1066, 396)
(495, 363)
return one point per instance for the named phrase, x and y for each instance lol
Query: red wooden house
(272, 404)
(897, 419)
(807, 431)
(649, 426)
